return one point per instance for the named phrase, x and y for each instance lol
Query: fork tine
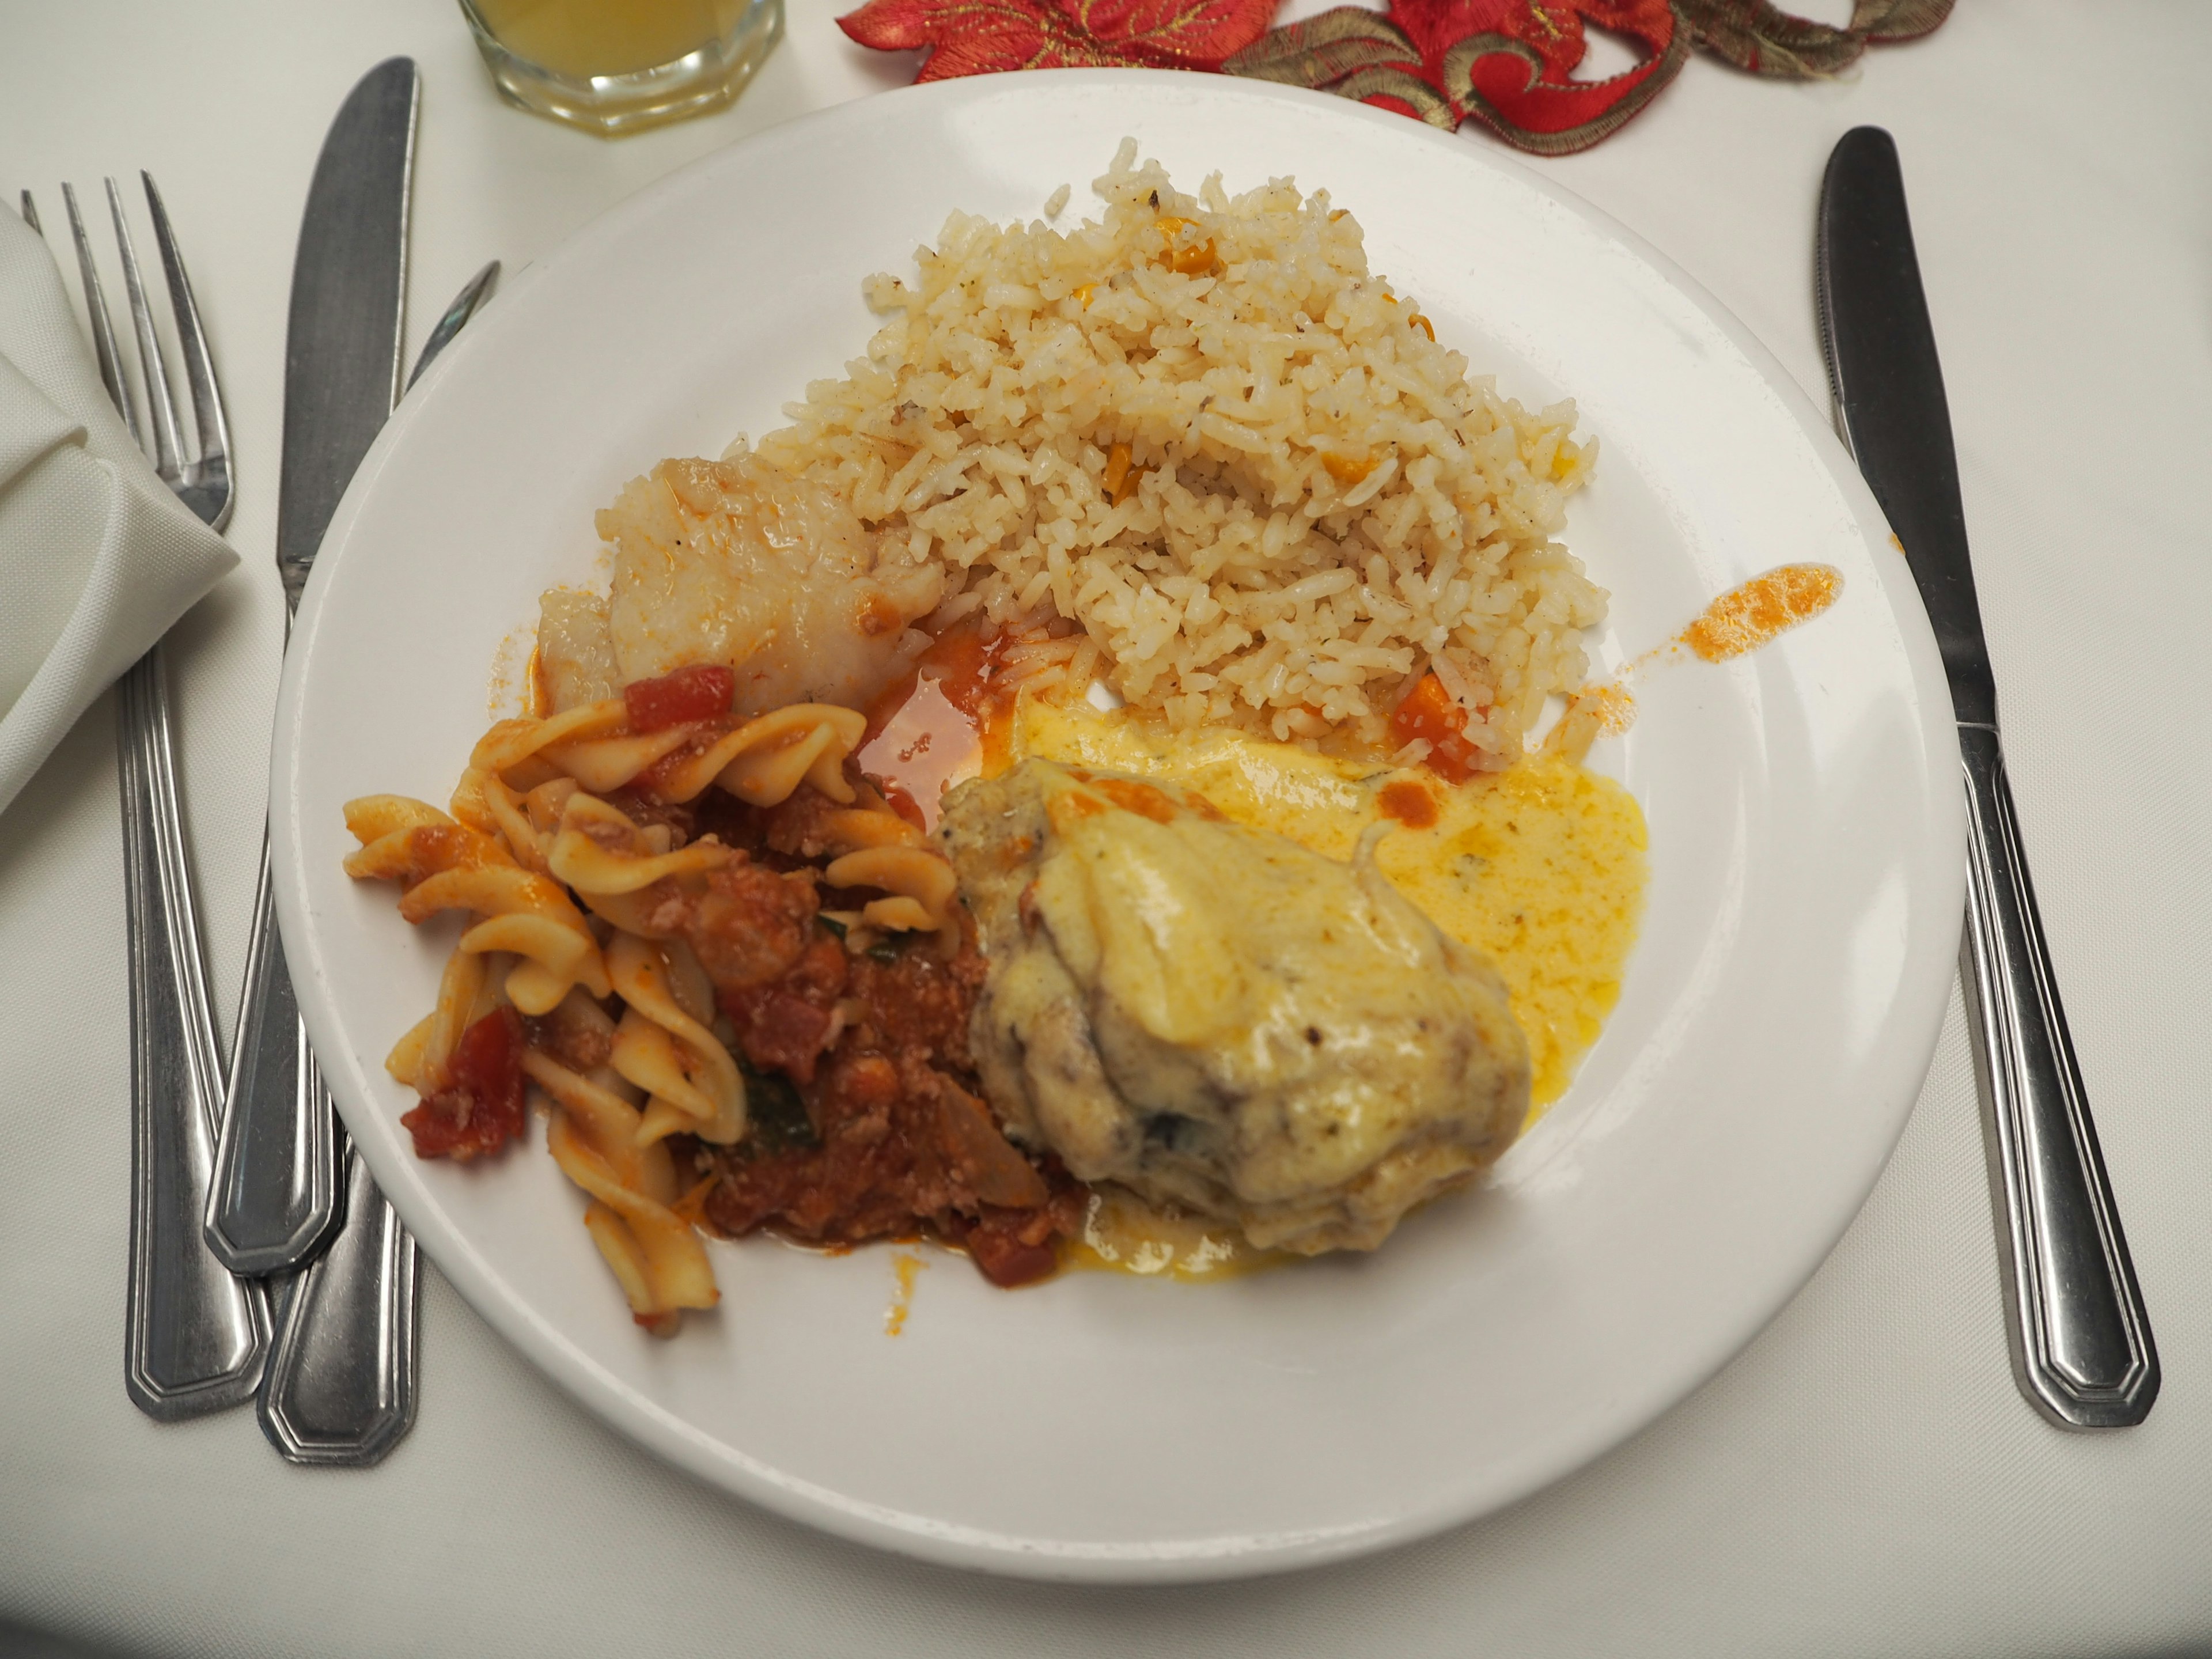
(31, 214)
(199, 367)
(161, 402)
(103, 331)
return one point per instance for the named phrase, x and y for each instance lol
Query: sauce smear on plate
(1745, 618)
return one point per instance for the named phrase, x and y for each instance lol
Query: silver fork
(196, 1337)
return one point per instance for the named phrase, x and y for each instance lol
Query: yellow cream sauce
(1540, 868)
(1123, 1234)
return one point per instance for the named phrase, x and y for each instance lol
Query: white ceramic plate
(1781, 1006)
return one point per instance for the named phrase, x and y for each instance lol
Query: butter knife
(340, 1388)
(277, 1198)
(2080, 1339)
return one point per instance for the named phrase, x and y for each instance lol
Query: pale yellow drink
(585, 38)
(615, 66)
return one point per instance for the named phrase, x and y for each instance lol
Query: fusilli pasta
(576, 914)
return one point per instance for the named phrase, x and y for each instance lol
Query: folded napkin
(97, 558)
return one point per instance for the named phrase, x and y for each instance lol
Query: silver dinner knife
(277, 1198)
(341, 1380)
(278, 1195)
(2080, 1339)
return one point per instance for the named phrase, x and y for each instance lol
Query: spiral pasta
(577, 911)
(664, 1045)
(653, 1250)
(877, 848)
(445, 865)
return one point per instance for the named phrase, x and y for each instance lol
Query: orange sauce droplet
(1346, 470)
(1744, 618)
(1144, 800)
(908, 1268)
(1066, 809)
(1408, 803)
(1614, 709)
(1605, 709)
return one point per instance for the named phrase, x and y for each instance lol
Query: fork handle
(2081, 1345)
(275, 1199)
(196, 1337)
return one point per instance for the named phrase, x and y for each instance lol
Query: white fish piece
(575, 649)
(737, 563)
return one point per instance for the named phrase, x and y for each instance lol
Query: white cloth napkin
(97, 558)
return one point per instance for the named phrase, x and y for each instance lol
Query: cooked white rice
(1241, 581)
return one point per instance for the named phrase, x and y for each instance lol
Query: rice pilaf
(1227, 462)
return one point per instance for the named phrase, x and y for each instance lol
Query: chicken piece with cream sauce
(1220, 1019)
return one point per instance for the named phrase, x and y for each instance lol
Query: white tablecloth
(1863, 1479)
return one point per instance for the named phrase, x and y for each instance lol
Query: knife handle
(2081, 1345)
(196, 1336)
(275, 1201)
(340, 1388)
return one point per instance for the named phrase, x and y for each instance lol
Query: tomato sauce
(479, 1109)
(949, 720)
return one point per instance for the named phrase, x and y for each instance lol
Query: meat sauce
(868, 1119)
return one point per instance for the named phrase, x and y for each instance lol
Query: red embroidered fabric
(1508, 66)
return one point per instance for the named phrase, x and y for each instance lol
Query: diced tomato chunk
(701, 692)
(1433, 713)
(480, 1108)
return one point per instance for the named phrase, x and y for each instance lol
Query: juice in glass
(614, 66)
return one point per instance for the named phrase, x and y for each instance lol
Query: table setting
(1844, 1301)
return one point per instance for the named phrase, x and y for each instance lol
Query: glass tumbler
(615, 66)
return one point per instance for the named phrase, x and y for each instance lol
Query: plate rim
(1914, 1024)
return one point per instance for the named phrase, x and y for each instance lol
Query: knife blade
(278, 1198)
(341, 347)
(1888, 387)
(2082, 1347)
